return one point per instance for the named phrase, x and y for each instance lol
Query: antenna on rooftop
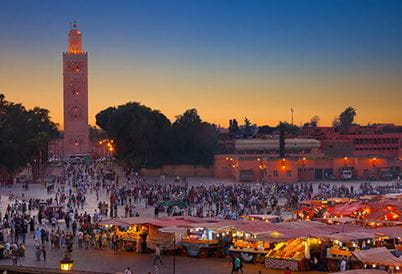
(291, 111)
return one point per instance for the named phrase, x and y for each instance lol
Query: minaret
(75, 85)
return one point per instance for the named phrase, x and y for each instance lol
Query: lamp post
(66, 264)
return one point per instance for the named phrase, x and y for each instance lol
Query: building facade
(379, 140)
(252, 168)
(75, 99)
(321, 153)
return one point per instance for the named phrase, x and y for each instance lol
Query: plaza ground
(106, 261)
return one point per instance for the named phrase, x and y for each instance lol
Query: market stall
(291, 254)
(379, 257)
(363, 271)
(262, 217)
(341, 246)
(131, 231)
(205, 239)
(127, 231)
(130, 236)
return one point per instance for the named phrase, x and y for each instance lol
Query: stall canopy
(114, 222)
(392, 232)
(351, 236)
(378, 256)
(135, 220)
(342, 220)
(346, 209)
(304, 229)
(269, 217)
(340, 200)
(363, 271)
(172, 229)
(220, 226)
(254, 227)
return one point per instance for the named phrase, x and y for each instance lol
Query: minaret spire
(74, 39)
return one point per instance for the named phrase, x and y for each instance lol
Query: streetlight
(66, 264)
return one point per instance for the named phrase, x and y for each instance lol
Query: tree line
(146, 138)
(24, 136)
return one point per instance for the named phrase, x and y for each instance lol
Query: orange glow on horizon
(217, 95)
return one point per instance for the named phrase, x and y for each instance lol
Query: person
(240, 265)
(80, 238)
(236, 264)
(43, 250)
(37, 253)
(139, 245)
(343, 265)
(156, 212)
(128, 271)
(157, 255)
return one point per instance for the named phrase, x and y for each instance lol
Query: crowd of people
(64, 219)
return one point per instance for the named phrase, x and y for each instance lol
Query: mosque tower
(75, 86)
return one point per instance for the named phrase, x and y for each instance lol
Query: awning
(378, 256)
(350, 236)
(114, 222)
(392, 232)
(363, 271)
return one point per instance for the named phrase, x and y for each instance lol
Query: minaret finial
(73, 24)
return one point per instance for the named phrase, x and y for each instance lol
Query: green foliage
(146, 138)
(344, 122)
(265, 129)
(23, 134)
(96, 134)
(289, 129)
(248, 128)
(233, 127)
(195, 141)
(314, 121)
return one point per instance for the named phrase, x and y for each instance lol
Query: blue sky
(223, 57)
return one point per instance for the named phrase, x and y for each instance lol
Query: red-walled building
(369, 152)
(379, 140)
(251, 168)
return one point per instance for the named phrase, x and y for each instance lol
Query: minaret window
(75, 91)
(75, 113)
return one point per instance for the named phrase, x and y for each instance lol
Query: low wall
(40, 270)
(179, 170)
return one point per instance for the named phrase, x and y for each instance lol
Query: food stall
(341, 246)
(251, 248)
(262, 217)
(362, 271)
(126, 231)
(379, 258)
(205, 239)
(291, 254)
(130, 235)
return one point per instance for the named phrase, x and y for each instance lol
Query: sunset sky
(229, 59)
